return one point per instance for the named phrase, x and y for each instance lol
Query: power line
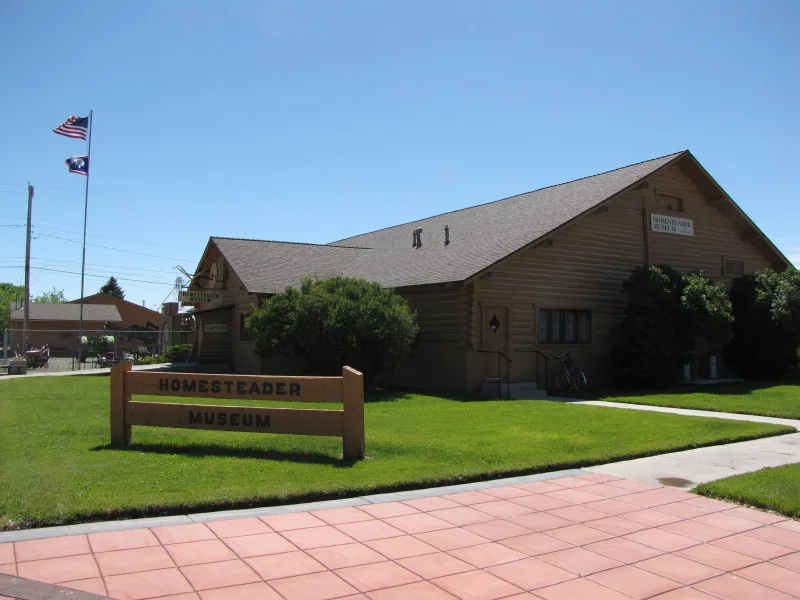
(104, 276)
(114, 249)
(73, 262)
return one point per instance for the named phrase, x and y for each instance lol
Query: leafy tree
(665, 314)
(326, 324)
(8, 293)
(54, 296)
(112, 287)
(766, 331)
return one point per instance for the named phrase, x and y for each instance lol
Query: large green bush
(178, 353)
(328, 323)
(665, 314)
(766, 332)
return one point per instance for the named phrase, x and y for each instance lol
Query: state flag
(78, 164)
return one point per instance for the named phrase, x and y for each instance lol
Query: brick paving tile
(540, 521)
(579, 589)
(290, 521)
(578, 535)
(662, 540)
(314, 586)
(577, 514)
(719, 558)
(375, 576)
(575, 496)
(752, 547)
(476, 585)
(178, 534)
(93, 585)
(316, 537)
(752, 514)
(531, 573)
(733, 587)
(431, 566)
(791, 525)
(606, 490)
(617, 525)
(580, 561)
(626, 551)
(431, 503)
(346, 514)
(613, 506)
(599, 477)
(219, 574)
(9, 569)
(388, 509)
(260, 544)
(790, 561)
(540, 502)
(449, 539)
(539, 487)
(346, 555)
(652, 498)
(57, 570)
(6, 553)
(498, 529)
(572, 482)
(633, 485)
(684, 510)
(774, 576)
(652, 518)
(487, 555)
(108, 541)
(249, 591)
(401, 547)
(186, 596)
(467, 498)
(686, 593)
(418, 523)
(289, 564)
(769, 533)
(421, 590)
(461, 515)
(712, 503)
(194, 553)
(503, 508)
(678, 569)
(118, 562)
(51, 548)
(149, 584)
(507, 491)
(697, 531)
(535, 543)
(634, 582)
(238, 527)
(731, 523)
(373, 529)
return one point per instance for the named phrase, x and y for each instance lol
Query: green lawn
(781, 399)
(775, 488)
(56, 465)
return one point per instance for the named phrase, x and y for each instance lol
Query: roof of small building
(479, 236)
(45, 311)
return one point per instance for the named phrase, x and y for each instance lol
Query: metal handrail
(547, 360)
(502, 354)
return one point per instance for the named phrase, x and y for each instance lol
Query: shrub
(178, 353)
(766, 331)
(328, 323)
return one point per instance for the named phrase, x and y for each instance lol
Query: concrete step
(516, 390)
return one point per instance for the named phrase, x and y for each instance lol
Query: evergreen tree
(112, 287)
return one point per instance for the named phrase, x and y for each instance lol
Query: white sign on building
(215, 328)
(195, 297)
(670, 224)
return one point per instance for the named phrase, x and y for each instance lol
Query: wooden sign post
(347, 423)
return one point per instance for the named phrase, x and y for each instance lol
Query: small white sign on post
(670, 224)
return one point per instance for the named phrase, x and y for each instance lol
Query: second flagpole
(85, 215)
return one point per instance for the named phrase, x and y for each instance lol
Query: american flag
(74, 127)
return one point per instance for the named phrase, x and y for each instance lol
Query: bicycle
(571, 378)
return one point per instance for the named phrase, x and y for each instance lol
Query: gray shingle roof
(480, 236)
(43, 311)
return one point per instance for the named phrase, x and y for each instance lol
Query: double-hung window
(565, 326)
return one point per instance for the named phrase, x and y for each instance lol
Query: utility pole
(26, 299)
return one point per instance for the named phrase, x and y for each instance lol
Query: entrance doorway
(495, 339)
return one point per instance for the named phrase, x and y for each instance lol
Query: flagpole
(85, 215)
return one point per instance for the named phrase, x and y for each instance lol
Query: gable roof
(480, 236)
(45, 311)
(109, 298)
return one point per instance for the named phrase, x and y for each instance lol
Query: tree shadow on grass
(206, 450)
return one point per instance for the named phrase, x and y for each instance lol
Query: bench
(16, 366)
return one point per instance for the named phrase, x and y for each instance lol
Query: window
(564, 326)
(244, 334)
(669, 203)
(732, 268)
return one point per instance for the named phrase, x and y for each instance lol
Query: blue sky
(314, 121)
